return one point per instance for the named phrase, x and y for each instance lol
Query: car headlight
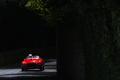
(39, 63)
(23, 64)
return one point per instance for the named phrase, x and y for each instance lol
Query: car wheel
(42, 68)
(23, 69)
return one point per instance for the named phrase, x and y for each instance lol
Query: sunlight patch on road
(50, 70)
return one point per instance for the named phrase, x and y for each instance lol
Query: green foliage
(102, 40)
(42, 8)
(36, 5)
(2, 4)
(98, 24)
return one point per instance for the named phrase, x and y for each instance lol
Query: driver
(30, 56)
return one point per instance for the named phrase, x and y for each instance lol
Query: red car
(32, 63)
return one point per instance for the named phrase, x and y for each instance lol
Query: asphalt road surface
(14, 72)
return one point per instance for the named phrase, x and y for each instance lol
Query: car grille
(31, 65)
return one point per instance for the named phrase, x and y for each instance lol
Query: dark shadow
(50, 60)
(32, 78)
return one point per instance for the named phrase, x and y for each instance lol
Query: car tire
(23, 69)
(42, 68)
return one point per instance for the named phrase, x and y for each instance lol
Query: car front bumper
(31, 66)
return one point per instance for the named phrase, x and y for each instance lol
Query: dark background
(21, 28)
(86, 33)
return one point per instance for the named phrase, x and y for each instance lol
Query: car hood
(31, 60)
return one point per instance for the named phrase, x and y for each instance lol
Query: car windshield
(36, 57)
(29, 57)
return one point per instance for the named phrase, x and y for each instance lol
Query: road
(13, 72)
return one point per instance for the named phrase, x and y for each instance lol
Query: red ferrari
(34, 62)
